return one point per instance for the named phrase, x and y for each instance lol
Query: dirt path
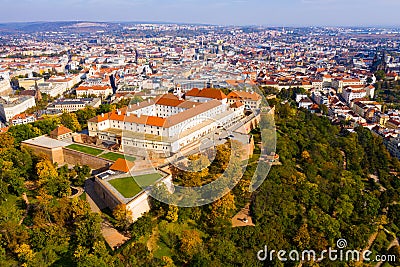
(243, 218)
(80, 191)
(344, 160)
(25, 198)
(111, 235)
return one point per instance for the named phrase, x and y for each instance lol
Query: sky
(221, 12)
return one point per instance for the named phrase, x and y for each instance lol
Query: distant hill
(70, 26)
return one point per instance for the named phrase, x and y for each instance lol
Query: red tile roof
(207, 93)
(122, 165)
(237, 104)
(244, 95)
(60, 130)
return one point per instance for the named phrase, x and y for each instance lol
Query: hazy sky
(238, 12)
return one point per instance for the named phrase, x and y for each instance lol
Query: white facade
(164, 127)
(25, 119)
(98, 91)
(350, 94)
(5, 86)
(72, 105)
(342, 83)
(12, 107)
(52, 89)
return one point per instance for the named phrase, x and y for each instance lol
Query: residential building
(250, 100)
(29, 82)
(71, 105)
(350, 94)
(340, 84)
(22, 119)
(61, 133)
(9, 107)
(102, 91)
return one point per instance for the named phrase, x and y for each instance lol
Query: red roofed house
(61, 133)
(205, 95)
(393, 124)
(22, 119)
(350, 94)
(250, 100)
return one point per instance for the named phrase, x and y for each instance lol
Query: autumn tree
(190, 243)
(123, 216)
(172, 214)
(70, 120)
(222, 208)
(88, 229)
(83, 115)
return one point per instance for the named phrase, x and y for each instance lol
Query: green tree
(172, 214)
(123, 217)
(70, 121)
(380, 75)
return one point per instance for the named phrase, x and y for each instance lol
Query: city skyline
(217, 12)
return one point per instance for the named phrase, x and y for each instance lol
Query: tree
(104, 108)
(25, 253)
(123, 216)
(380, 75)
(79, 174)
(395, 250)
(70, 120)
(324, 109)
(222, 158)
(88, 229)
(167, 262)
(84, 115)
(24, 132)
(223, 208)
(45, 171)
(6, 141)
(172, 214)
(302, 238)
(190, 243)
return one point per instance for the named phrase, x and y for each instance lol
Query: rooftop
(46, 142)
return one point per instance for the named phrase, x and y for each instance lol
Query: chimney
(138, 115)
(102, 115)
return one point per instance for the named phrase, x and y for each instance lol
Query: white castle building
(167, 124)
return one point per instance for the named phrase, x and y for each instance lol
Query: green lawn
(163, 250)
(128, 187)
(114, 156)
(85, 149)
(148, 179)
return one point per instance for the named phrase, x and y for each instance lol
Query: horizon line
(205, 24)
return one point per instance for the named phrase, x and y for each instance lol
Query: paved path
(25, 198)
(394, 243)
(243, 218)
(111, 235)
(79, 193)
